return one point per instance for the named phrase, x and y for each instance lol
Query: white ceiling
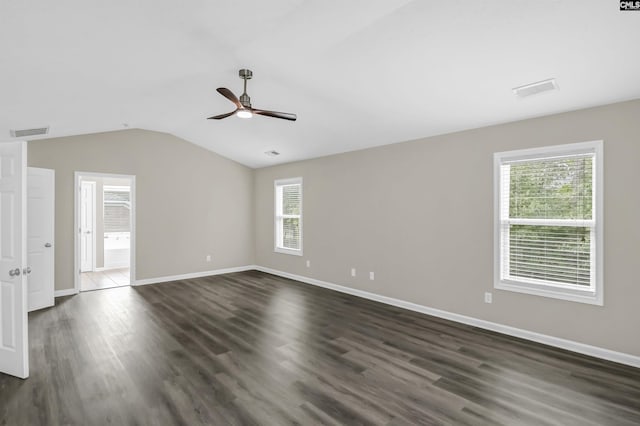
(358, 73)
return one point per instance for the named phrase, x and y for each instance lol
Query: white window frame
(594, 294)
(279, 217)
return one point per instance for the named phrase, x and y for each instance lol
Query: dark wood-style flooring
(252, 348)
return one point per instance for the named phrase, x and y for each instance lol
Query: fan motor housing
(245, 100)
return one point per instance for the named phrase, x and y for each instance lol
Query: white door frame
(93, 186)
(76, 222)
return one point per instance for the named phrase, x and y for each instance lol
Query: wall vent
(29, 132)
(272, 153)
(535, 88)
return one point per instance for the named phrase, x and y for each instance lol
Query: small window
(548, 221)
(288, 216)
(117, 208)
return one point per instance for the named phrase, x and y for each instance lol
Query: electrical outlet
(353, 272)
(208, 258)
(488, 297)
(372, 276)
(308, 264)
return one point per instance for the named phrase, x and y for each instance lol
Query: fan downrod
(245, 75)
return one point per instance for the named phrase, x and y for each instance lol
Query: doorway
(105, 224)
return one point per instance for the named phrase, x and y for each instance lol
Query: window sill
(589, 297)
(288, 251)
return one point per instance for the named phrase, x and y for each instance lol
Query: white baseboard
(114, 266)
(146, 281)
(109, 268)
(157, 280)
(65, 292)
(570, 345)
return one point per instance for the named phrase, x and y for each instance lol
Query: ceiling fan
(243, 105)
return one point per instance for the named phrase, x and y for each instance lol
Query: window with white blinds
(548, 229)
(117, 208)
(288, 216)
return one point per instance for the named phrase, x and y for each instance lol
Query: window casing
(548, 221)
(288, 216)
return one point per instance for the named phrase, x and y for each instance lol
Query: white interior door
(87, 225)
(14, 354)
(40, 231)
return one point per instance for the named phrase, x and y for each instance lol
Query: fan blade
(276, 114)
(221, 116)
(229, 95)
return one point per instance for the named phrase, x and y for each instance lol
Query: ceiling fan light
(243, 113)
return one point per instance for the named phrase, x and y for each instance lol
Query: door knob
(47, 245)
(88, 232)
(26, 270)
(14, 272)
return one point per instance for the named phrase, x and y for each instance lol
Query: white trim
(76, 221)
(23, 259)
(289, 181)
(158, 280)
(582, 348)
(65, 292)
(288, 251)
(568, 292)
(550, 152)
(595, 293)
(192, 275)
(132, 232)
(110, 268)
(598, 211)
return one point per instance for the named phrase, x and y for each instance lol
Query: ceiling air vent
(535, 88)
(29, 132)
(272, 153)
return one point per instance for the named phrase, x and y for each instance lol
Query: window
(548, 224)
(117, 208)
(288, 214)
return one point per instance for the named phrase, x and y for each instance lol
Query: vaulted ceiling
(358, 73)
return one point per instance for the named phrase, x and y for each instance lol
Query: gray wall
(420, 215)
(190, 202)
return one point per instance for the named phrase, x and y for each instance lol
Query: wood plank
(253, 348)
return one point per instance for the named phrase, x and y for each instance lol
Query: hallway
(99, 280)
